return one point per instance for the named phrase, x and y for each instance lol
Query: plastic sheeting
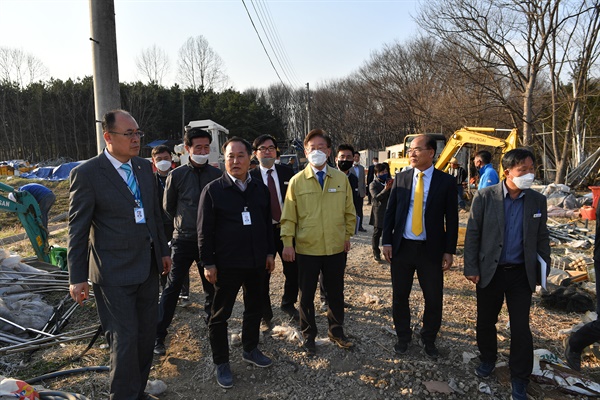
(59, 173)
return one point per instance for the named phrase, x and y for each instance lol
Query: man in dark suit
(370, 177)
(235, 240)
(590, 332)
(420, 230)
(380, 189)
(163, 162)
(359, 171)
(505, 234)
(116, 239)
(265, 150)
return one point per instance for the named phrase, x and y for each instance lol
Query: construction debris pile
(27, 321)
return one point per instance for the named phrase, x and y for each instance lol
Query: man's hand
(447, 261)
(166, 262)
(473, 278)
(211, 274)
(388, 184)
(270, 263)
(347, 246)
(288, 254)
(387, 253)
(80, 292)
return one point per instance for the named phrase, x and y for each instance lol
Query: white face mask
(524, 181)
(163, 165)
(267, 162)
(317, 158)
(199, 158)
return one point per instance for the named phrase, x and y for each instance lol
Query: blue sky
(322, 39)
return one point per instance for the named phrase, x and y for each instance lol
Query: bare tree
(508, 37)
(153, 64)
(19, 67)
(200, 67)
(573, 51)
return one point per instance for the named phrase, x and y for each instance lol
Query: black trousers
(128, 318)
(513, 285)
(377, 231)
(290, 287)
(184, 253)
(590, 332)
(411, 258)
(309, 268)
(229, 282)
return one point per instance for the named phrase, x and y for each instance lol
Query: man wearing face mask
(359, 171)
(161, 158)
(380, 189)
(182, 194)
(505, 234)
(277, 178)
(317, 222)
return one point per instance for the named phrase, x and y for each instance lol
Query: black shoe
(377, 258)
(310, 347)
(159, 347)
(519, 390)
(291, 312)
(485, 369)
(361, 229)
(573, 359)
(401, 348)
(430, 349)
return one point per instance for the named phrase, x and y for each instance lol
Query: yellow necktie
(417, 216)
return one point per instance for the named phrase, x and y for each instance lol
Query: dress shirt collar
(315, 170)
(116, 163)
(505, 191)
(428, 172)
(244, 183)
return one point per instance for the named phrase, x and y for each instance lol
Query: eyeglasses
(129, 135)
(264, 149)
(415, 150)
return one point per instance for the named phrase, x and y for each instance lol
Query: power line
(276, 45)
(265, 49)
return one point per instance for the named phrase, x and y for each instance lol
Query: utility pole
(307, 107)
(105, 66)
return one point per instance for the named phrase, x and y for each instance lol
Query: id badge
(140, 218)
(246, 220)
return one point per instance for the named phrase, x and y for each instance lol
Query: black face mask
(345, 165)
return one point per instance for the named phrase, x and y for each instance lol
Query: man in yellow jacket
(318, 219)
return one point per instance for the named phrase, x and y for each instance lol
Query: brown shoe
(342, 341)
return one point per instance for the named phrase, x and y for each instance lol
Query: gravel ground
(369, 371)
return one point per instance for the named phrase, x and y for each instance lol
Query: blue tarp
(59, 173)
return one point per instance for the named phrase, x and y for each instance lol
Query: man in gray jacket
(506, 233)
(182, 194)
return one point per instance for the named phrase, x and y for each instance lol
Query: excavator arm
(479, 136)
(28, 212)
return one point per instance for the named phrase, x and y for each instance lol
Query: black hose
(56, 395)
(101, 368)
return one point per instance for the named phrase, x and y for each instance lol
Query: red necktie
(275, 207)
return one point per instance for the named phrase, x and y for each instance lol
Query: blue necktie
(321, 176)
(131, 182)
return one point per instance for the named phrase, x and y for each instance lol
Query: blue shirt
(487, 176)
(512, 250)
(36, 190)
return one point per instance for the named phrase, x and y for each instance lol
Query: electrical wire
(265, 49)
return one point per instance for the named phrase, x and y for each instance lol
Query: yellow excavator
(467, 135)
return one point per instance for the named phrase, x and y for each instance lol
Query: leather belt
(511, 266)
(416, 242)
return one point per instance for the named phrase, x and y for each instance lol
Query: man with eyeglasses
(316, 225)
(420, 231)
(276, 177)
(182, 193)
(116, 240)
